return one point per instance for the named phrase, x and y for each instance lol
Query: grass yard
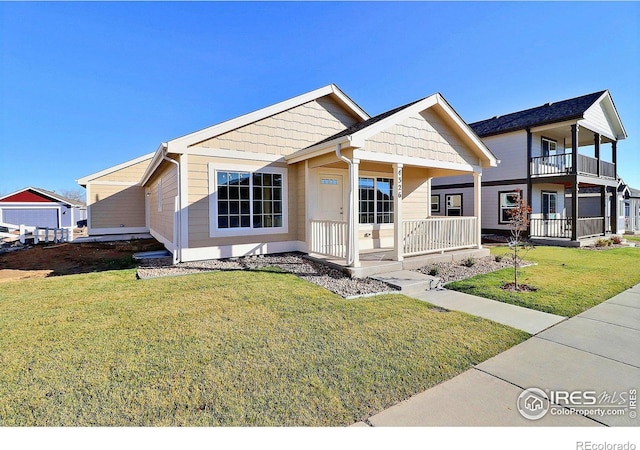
(632, 238)
(569, 280)
(221, 349)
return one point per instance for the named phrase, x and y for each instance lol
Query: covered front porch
(367, 190)
(365, 210)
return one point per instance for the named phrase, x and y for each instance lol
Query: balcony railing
(561, 228)
(563, 165)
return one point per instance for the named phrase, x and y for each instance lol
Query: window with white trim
(508, 201)
(248, 202)
(549, 147)
(453, 204)
(435, 203)
(376, 200)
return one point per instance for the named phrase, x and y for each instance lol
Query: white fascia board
(155, 162)
(323, 149)
(86, 179)
(485, 152)
(246, 119)
(550, 126)
(613, 116)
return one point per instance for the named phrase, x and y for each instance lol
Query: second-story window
(549, 147)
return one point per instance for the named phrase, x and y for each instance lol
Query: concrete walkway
(597, 351)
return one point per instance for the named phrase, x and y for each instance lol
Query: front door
(331, 202)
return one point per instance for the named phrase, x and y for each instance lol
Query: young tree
(518, 224)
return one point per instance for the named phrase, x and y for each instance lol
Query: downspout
(177, 256)
(350, 206)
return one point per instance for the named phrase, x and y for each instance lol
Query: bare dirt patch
(71, 258)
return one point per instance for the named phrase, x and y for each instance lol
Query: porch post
(307, 216)
(477, 205)
(429, 197)
(353, 218)
(398, 232)
(574, 187)
(596, 149)
(603, 208)
(614, 211)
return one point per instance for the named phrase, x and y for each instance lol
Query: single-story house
(314, 174)
(37, 207)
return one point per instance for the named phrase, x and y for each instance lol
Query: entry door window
(454, 204)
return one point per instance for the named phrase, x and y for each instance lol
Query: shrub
(603, 243)
(616, 240)
(498, 258)
(434, 271)
(469, 262)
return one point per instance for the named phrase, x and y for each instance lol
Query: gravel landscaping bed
(326, 277)
(456, 270)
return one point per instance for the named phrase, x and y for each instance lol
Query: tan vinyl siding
(198, 201)
(288, 131)
(116, 206)
(132, 173)
(424, 135)
(161, 222)
(415, 203)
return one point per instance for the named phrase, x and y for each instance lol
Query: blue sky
(84, 86)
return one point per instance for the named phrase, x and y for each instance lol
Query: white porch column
(429, 197)
(354, 239)
(477, 205)
(398, 238)
(307, 216)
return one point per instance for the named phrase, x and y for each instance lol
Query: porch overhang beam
(322, 149)
(365, 155)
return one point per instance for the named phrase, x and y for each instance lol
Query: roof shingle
(569, 109)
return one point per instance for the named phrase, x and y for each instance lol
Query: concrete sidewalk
(598, 350)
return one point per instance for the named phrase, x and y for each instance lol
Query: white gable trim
(86, 179)
(606, 102)
(46, 194)
(357, 138)
(246, 119)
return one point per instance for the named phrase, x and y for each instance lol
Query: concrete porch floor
(377, 261)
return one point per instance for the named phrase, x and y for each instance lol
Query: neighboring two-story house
(562, 156)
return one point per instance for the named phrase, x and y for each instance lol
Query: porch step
(409, 282)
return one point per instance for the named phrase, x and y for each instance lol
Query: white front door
(331, 201)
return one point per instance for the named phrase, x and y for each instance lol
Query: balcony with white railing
(563, 165)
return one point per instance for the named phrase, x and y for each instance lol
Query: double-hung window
(508, 201)
(376, 200)
(247, 202)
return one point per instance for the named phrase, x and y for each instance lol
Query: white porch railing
(438, 234)
(329, 238)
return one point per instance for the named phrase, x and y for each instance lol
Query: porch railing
(561, 228)
(329, 238)
(558, 228)
(590, 226)
(439, 233)
(563, 165)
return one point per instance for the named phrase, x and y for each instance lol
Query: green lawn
(632, 238)
(225, 348)
(569, 280)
